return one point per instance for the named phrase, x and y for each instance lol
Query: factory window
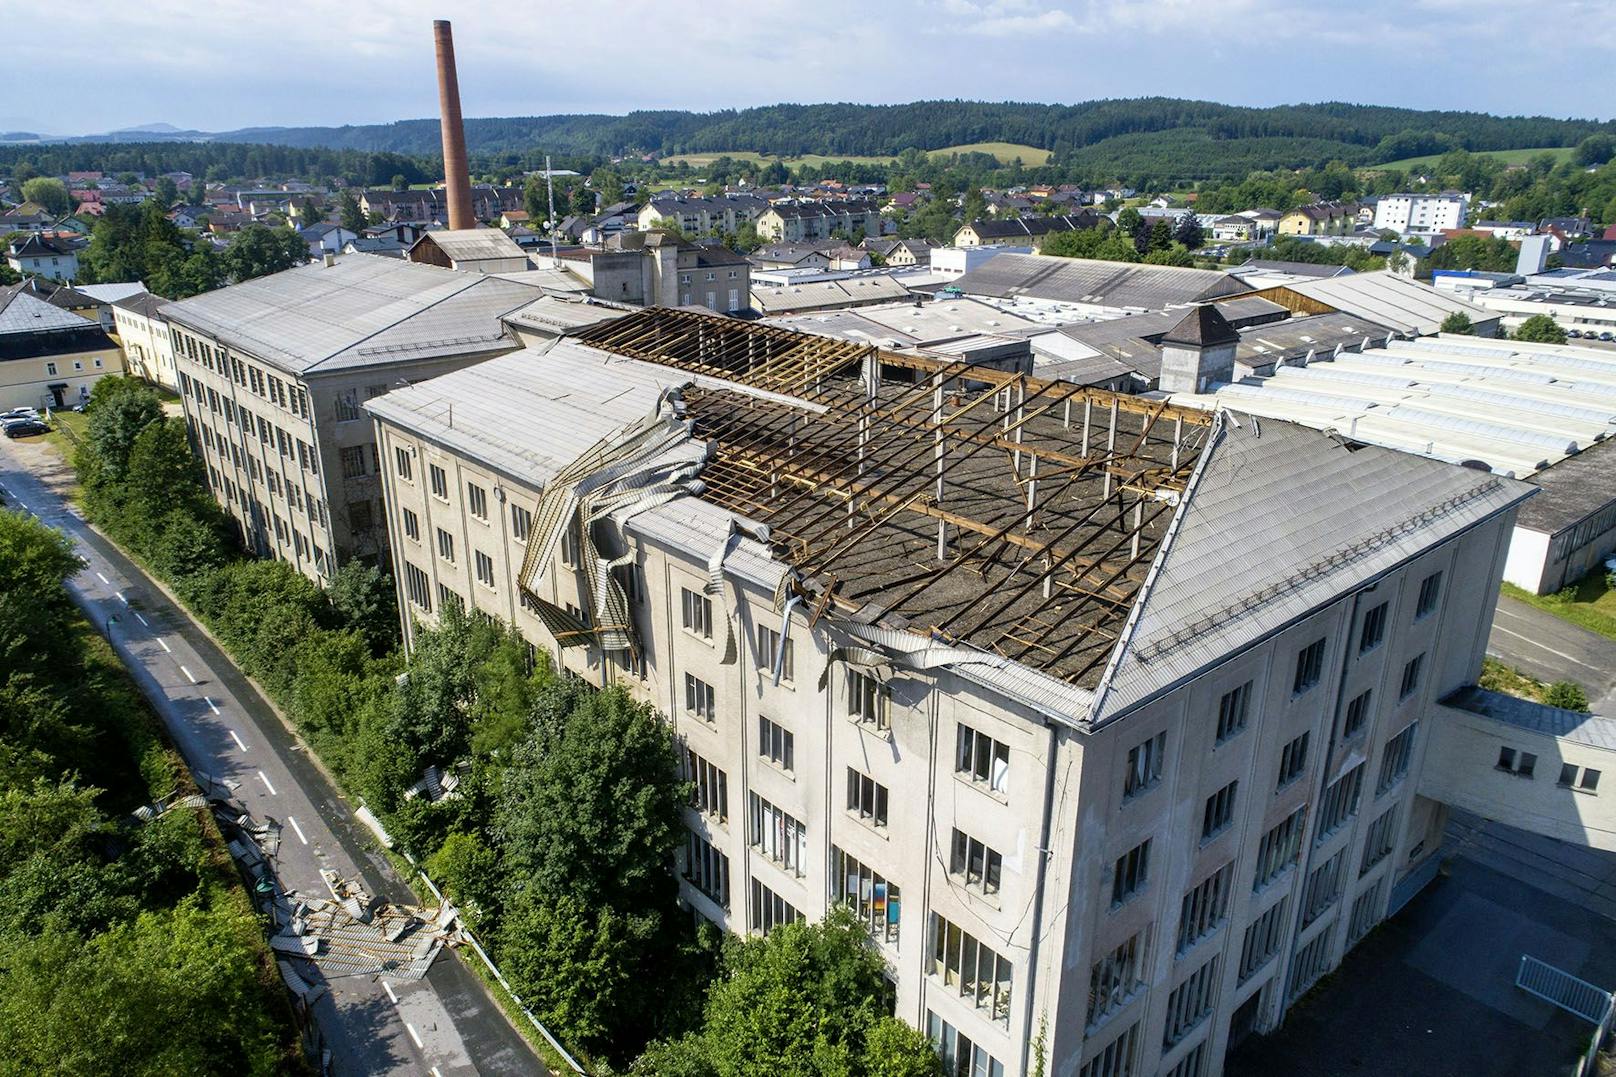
(1114, 978)
(1232, 711)
(1522, 764)
(1309, 964)
(867, 700)
(440, 482)
(521, 523)
(709, 787)
(699, 700)
(1130, 873)
(1292, 761)
(402, 457)
(696, 612)
(445, 545)
(1193, 1064)
(1430, 591)
(1365, 907)
(1394, 759)
(1278, 848)
(571, 546)
(353, 462)
(1374, 629)
(348, 408)
(1218, 812)
(1380, 840)
(412, 525)
(1309, 667)
(1323, 887)
(1144, 765)
(707, 869)
(874, 899)
(978, 864)
(1118, 1059)
(776, 744)
(980, 974)
(961, 1057)
(1204, 907)
(1411, 676)
(1582, 779)
(1190, 1003)
(770, 910)
(485, 569)
(982, 759)
(778, 835)
(866, 797)
(416, 587)
(1262, 940)
(1357, 715)
(769, 643)
(1339, 803)
(360, 516)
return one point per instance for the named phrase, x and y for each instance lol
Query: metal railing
(1575, 996)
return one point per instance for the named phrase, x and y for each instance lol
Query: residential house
(47, 256)
(1320, 218)
(49, 357)
(1023, 231)
(794, 222)
(901, 252)
(327, 238)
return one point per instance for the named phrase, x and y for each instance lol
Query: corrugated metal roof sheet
(1330, 519)
(474, 244)
(363, 309)
(1402, 304)
(1101, 283)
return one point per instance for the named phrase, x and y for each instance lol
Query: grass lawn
(1589, 603)
(67, 430)
(1509, 157)
(1004, 151)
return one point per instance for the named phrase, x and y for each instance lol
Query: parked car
(19, 413)
(1606, 335)
(24, 428)
(1573, 333)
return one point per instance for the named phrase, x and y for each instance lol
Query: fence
(1559, 988)
(500, 976)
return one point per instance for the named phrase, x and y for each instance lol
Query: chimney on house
(456, 173)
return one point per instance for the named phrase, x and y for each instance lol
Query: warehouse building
(1092, 287)
(273, 372)
(1105, 714)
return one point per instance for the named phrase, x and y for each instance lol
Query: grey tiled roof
(362, 310)
(1279, 521)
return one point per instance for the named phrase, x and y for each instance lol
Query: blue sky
(233, 63)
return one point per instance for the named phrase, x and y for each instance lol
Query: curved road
(445, 1024)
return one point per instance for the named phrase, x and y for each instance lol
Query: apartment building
(794, 222)
(702, 215)
(1422, 213)
(148, 347)
(1102, 715)
(1320, 219)
(273, 373)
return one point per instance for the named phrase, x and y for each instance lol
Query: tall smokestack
(456, 173)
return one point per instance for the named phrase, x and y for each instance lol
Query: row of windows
(980, 974)
(288, 395)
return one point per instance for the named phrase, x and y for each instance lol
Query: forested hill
(1126, 136)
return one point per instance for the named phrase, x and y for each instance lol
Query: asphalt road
(1543, 646)
(445, 1024)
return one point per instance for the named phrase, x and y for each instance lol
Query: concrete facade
(148, 347)
(1063, 810)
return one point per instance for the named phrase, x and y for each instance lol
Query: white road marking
(265, 780)
(389, 989)
(103, 579)
(305, 841)
(122, 599)
(166, 647)
(188, 675)
(1543, 646)
(142, 620)
(434, 1072)
(414, 1035)
(237, 738)
(214, 707)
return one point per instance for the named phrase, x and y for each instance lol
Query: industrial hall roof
(363, 310)
(472, 244)
(1072, 549)
(1097, 282)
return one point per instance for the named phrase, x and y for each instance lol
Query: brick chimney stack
(456, 172)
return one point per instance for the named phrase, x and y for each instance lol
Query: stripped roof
(363, 310)
(1394, 301)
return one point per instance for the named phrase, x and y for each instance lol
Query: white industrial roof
(1396, 302)
(1514, 407)
(474, 244)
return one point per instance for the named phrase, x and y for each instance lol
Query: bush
(1566, 695)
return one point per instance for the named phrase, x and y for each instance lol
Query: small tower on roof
(1198, 352)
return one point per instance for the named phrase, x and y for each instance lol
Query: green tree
(1541, 329)
(119, 409)
(400, 182)
(1188, 230)
(364, 596)
(166, 191)
(1161, 236)
(50, 193)
(1594, 150)
(257, 251)
(351, 216)
(1568, 695)
(609, 184)
(1458, 322)
(893, 1048)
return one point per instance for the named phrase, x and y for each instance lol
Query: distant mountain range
(1133, 136)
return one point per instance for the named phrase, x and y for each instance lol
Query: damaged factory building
(1105, 715)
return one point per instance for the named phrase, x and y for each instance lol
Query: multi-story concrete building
(148, 346)
(273, 373)
(793, 222)
(658, 268)
(1104, 716)
(1426, 214)
(702, 215)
